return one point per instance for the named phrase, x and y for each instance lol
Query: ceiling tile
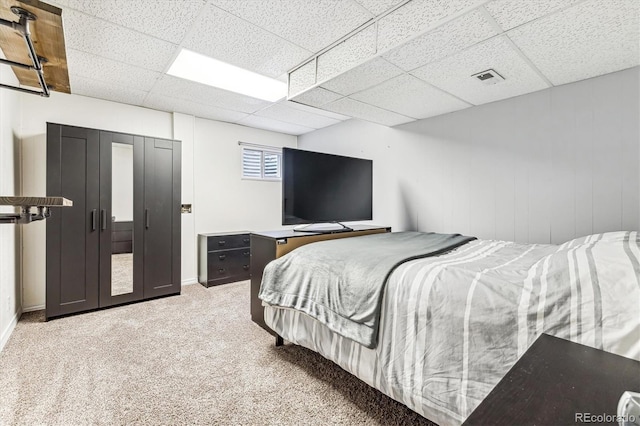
(296, 116)
(195, 92)
(302, 78)
(363, 76)
(101, 90)
(367, 112)
(228, 38)
(584, 41)
(346, 55)
(169, 104)
(274, 125)
(410, 96)
(376, 7)
(511, 13)
(446, 40)
(311, 24)
(317, 97)
(98, 68)
(313, 110)
(167, 19)
(453, 74)
(88, 34)
(416, 17)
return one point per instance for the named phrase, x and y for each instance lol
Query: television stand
(270, 245)
(321, 228)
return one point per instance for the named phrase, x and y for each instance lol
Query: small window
(258, 163)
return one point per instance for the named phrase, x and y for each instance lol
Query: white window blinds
(261, 162)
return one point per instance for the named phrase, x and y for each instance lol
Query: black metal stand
(279, 341)
(25, 215)
(309, 228)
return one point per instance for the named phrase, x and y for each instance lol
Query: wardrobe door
(72, 268)
(121, 218)
(161, 217)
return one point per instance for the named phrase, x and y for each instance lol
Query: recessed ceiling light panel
(212, 72)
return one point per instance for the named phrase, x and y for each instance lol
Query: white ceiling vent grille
(488, 77)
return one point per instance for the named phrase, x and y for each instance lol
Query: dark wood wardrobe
(116, 181)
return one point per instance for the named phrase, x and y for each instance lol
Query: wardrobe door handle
(103, 219)
(93, 219)
(146, 218)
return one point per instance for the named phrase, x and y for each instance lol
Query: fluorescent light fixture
(212, 72)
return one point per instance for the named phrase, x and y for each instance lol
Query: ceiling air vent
(488, 77)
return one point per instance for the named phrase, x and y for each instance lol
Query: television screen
(320, 187)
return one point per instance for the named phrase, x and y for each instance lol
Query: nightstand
(558, 382)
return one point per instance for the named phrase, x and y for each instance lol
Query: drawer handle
(221, 242)
(246, 253)
(245, 267)
(221, 270)
(222, 257)
(246, 240)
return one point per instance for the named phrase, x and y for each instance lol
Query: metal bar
(34, 56)
(9, 218)
(11, 24)
(22, 26)
(20, 89)
(17, 64)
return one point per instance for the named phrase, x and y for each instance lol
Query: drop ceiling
(385, 61)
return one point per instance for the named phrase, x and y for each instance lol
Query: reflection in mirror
(122, 217)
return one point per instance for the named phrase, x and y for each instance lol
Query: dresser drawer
(224, 242)
(224, 271)
(229, 258)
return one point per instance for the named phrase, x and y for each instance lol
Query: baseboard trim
(189, 281)
(6, 333)
(33, 308)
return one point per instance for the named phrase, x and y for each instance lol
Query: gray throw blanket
(341, 282)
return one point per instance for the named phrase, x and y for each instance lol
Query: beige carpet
(191, 359)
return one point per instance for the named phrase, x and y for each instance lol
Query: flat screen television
(320, 188)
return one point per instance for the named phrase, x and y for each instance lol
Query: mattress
(453, 325)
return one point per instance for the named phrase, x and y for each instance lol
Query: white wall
(10, 248)
(183, 128)
(543, 167)
(224, 201)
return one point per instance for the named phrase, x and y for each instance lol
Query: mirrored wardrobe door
(121, 218)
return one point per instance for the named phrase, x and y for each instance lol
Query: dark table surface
(557, 382)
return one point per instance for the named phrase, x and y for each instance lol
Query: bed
(451, 323)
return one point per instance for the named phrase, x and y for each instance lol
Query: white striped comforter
(453, 325)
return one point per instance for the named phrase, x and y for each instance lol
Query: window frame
(263, 150)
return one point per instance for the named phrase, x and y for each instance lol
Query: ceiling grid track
(374, 60)
(505, 35)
